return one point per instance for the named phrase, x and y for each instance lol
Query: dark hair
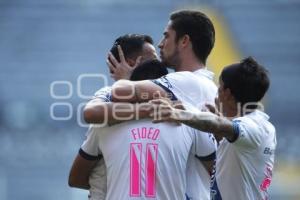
(248, 81)
(131, 44)
(150, 69)
(198, 27)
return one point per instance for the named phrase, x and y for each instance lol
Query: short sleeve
(103, 94)
(90, 148)
(247, 134)
(165, 83)
(204, 145)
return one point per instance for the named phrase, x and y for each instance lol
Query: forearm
(138, 91)
(206, 122)
(123, 91)
(111, 113)
(82, 183)
(80, 172)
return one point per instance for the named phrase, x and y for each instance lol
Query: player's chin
(164, 61)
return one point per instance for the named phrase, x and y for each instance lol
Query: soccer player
(143, 160)
(245, 156)
(137, 49)
(146, 171)
(89, 172)
(187, 42)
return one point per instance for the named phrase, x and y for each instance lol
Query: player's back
(194, 89)
(145, 160)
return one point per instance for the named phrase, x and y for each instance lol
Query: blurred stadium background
(44, 41)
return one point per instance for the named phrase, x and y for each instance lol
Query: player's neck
(189, 65)
(231, 111)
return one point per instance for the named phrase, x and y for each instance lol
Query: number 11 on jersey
(136, 169)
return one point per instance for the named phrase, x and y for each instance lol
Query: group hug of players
(176, 136)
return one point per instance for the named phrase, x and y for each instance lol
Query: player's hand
(120, 70)
(164, 110)
(178, 105)
(145, 109)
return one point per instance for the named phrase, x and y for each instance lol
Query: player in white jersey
(198, 188)
(89, 172)
(97, 177)
(198, 178)
(245, 156)
(175, 191)
(188, 40)
(145, 161)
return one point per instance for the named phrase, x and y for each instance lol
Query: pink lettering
(149, 168)
(133, 133)
(145, 133)
(135, 169)
(150, 133)
(156, 134)
(151, 158)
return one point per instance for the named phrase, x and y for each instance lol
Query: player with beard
(187, 42)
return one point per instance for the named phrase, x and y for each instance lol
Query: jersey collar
(205, 72)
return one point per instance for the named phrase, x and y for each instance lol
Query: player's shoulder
(181, 74)
(206, 77)
(183, 78)
(93, 130)
(256, 122)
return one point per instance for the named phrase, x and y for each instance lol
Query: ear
(185, 40)
(227, 94)
(130, 62)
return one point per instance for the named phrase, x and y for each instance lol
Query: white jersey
(244, 166)
(194, 89)
(145, 160)
(97, 179)
(197, 176)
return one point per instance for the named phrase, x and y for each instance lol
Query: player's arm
(208, 122)
(80, 172)
(136, 91)
(99, 112)
(88, 155)
(203, 121)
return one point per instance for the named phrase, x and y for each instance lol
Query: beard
(171, 61)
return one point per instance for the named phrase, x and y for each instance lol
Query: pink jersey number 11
(136, 169)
